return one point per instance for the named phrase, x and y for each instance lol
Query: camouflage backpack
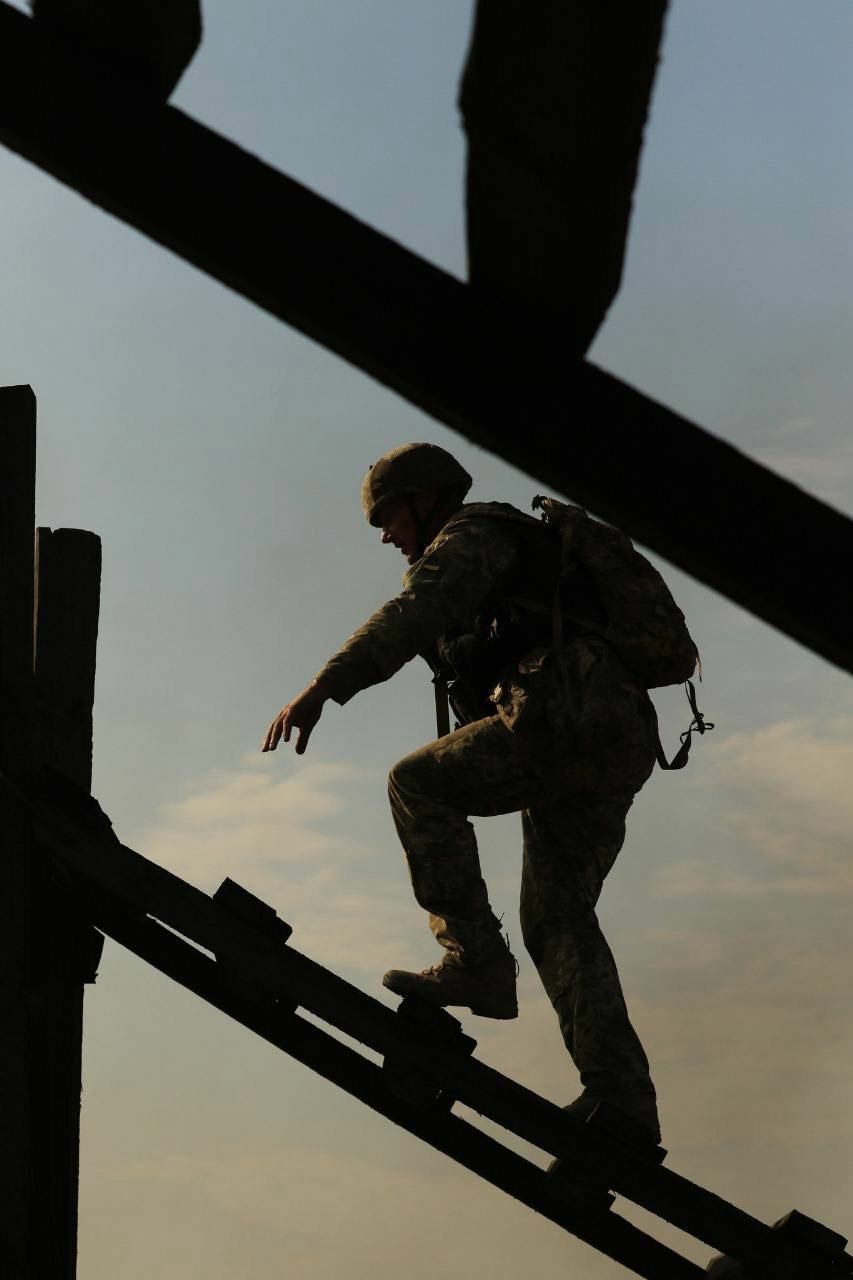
(643, 623)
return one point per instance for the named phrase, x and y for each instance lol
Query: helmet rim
(412, 468)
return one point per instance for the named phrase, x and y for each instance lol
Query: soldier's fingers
(302, 742)
(268, 743)
(285, 724)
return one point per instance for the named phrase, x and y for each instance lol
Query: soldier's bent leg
(568, 849)
(478, 770)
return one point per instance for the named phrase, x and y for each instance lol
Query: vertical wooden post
(68, 576)
(18, 1194)
(46, 950)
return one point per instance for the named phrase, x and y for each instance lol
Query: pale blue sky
(219, 455)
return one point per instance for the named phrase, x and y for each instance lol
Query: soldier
(567, 737)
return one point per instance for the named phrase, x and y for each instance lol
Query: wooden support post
(46, 951)
(17, 518)
(68, 576)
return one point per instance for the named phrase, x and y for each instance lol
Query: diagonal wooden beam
(494, 376)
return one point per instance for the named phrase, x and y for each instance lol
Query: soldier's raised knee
(406, 776)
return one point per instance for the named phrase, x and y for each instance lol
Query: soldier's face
(399, 526)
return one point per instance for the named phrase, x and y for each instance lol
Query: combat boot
(640, 1107)
(589, 1193)
(486, 988)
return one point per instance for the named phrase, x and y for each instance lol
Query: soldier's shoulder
(481, 515)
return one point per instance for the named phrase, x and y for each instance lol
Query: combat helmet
(410, 469)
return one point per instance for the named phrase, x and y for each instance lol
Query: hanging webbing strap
(442, 707)
(697, 725)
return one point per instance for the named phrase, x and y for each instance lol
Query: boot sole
(502, 1012)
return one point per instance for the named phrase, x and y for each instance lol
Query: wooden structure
(431, 338)
(48, 629)
(65, 871)
(504, 349)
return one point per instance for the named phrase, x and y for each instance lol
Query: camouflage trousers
(573, 822)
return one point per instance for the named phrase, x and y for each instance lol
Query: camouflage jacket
(479, 598)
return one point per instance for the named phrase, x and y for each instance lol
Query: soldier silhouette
(550, 722)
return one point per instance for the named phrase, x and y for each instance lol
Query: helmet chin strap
(424, 522)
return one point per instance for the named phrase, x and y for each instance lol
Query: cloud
(245, 815)
(800, 451)
(785, 798)
(324, 1215)
(289, 841)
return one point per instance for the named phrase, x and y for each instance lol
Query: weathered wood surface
(675, 488)
(554, 98)
(99, 865)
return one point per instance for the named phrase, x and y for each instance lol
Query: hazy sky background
(219, 456)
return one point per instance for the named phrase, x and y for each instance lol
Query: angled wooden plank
(68, 573)
(554, 98)
(479, 369)
(19, 1101)
(94, 859)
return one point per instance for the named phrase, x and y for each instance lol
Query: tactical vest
(515, 617)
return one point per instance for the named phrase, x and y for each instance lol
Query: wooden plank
(68, 564)
(151, 44)
(98, 861)
(554, 99)
(68, 571)
(17, 522)
(18, 1105)
(483, 371)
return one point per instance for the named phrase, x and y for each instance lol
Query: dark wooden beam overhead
(152, 43)
(485, 372)
(554, 98)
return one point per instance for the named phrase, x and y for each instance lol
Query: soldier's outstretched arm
(446, 586)
(301, 713)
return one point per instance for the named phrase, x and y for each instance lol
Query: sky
(219, 455)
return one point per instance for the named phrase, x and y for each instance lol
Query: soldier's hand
(302, 714)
